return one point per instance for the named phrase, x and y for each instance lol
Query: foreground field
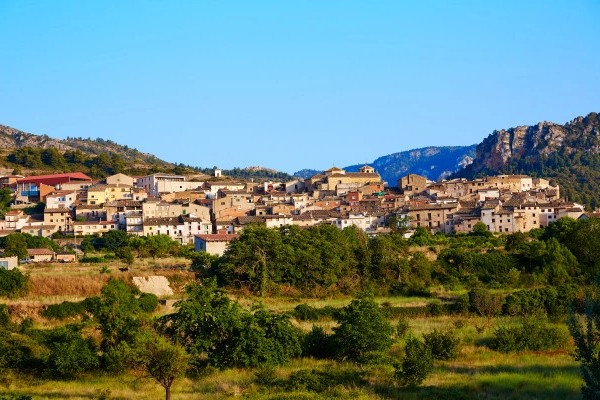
(477, 372)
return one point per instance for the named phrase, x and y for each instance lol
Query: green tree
(115, 239)
(15, 244)
(587, 351)
(160, 359)
(362, 328)
(53, 158)
(159, 245)
(70, 354)
(12, 283)
(119, 316)
(417, 363)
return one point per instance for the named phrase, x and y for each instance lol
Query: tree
(159, 245)
(161, 359)
(587, 351)
(114, 240)
(417, 363)
(15, 244)
(70, 354)
(118, 313)
(12, 283)
(362, 328)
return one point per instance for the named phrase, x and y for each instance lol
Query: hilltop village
(212, 212)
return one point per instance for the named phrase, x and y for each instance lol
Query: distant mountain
(568, 154)
(433, 162)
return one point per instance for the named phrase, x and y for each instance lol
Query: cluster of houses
(211, 212)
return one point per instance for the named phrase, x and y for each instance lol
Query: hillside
(30, 154)
(568, 154)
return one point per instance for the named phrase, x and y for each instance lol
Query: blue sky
(294, 84)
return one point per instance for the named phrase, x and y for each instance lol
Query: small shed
(66, 257)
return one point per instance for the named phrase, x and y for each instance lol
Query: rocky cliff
(569, 154)
(509, 146)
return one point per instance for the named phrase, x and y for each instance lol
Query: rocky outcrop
(503, 147)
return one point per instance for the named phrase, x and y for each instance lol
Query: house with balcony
(33, 189)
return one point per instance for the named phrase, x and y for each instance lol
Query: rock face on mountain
(525, 144)
(568, 154)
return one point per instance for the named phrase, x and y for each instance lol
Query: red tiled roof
(39, 252)
(55, 179)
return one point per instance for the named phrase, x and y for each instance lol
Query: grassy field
(477, 373)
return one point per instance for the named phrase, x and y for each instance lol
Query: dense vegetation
(323, 259)
(517, 288)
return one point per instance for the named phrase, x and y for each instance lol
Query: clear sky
(294, 84)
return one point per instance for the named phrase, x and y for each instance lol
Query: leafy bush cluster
(12, 283)
(533, 334)
(219, 332)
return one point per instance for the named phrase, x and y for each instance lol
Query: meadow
(477, 372)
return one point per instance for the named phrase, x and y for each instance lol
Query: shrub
(484, 303)
(435, 309)
(416, 365)
(12, 283)
(70, 354)
(533, 334)
(443, 345)
(66, 309)
(4, 315)
(461, 305)
(148, 302)
(317, 343)
(92, 259)
(304, 312)
(402, 327)
(320, 381)
(362, 328)
(376, 358)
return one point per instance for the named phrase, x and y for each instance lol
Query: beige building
(181, 229)
(213, 244)
(120, 179)
(59, 217)
(91, 227)
(412, 183)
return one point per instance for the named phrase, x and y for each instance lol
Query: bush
(304, 312)
(362, 328)
(402, 327)
(533, 334)
(66, 309)
(12, 283)
(70, 354)
(443, 345)
(416, 365)
(92, 259)
(317, 343)
(4, 316)
(484, 303)
(435, 309)
(148, 302)
(461, 305)
(320, 381)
